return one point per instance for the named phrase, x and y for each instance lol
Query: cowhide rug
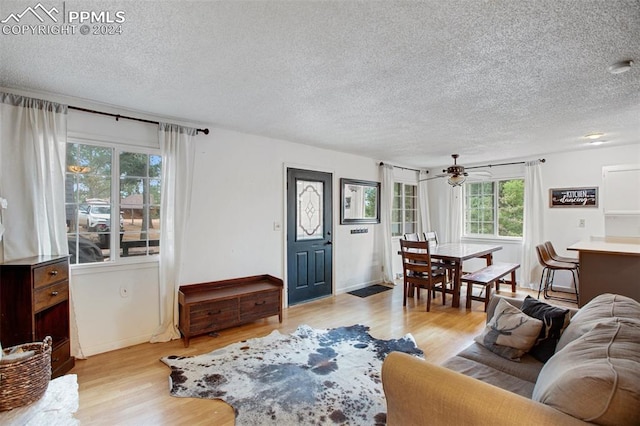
(309, 377)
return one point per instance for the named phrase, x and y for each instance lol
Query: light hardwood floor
(131, 386)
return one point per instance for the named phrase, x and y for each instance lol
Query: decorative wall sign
(573, 197)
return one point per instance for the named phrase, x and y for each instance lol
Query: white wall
(238, 195)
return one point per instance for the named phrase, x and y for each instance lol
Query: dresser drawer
(213, 315)
(259, 305)
(49, 274)
(60, 355)
(48, 296)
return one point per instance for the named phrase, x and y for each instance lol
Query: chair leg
(469, 294)
(541, 278)
(428, 299)
(404, 296)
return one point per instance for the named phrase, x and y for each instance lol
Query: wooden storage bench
(486, 277)
(213, 306)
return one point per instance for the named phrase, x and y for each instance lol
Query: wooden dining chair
(418, 272)
(412, 237)
(549, 267)
(432, 238)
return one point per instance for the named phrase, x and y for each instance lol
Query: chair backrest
(416, 259)
(543, 255)
(550, 249)
(412, 237)
(432, 238)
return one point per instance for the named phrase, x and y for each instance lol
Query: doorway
(309, 239)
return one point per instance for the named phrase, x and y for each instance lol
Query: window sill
(122, 264)
(501, 240)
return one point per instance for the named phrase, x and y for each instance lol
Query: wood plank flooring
(131, 386)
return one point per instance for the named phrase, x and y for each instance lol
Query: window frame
(114, 252)
(496, 219)
(403, 209)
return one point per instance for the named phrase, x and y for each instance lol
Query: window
(404, 213)
(494, 208)
(112, 203)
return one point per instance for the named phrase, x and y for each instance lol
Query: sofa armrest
(418, 393)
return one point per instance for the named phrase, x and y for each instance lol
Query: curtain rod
(404, 168)
(118, 116)
(542, 160)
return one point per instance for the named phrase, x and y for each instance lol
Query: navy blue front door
(309, 224)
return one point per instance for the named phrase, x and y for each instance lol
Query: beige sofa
(593, 377)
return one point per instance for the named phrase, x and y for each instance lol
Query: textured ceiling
(404, 82)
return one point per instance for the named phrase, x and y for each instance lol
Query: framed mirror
(359, 201)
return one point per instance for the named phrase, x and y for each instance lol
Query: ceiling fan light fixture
(456, 180)
(620, 67)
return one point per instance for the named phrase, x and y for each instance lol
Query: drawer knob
(54, 293)
(54, 273)
(219, 311)
(261, 303)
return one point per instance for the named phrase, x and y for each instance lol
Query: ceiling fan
(456, 173)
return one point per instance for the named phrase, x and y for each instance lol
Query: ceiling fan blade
(434, 177)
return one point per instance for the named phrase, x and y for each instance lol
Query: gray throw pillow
(510, 333)
(554, 321)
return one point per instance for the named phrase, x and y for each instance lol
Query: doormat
(368, 291)
(311, 377)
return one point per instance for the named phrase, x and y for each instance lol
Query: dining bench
(486, 277)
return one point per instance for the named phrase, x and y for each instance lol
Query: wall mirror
(359, 201)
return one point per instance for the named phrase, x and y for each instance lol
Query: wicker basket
(25, 381)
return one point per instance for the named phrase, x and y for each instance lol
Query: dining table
(456, 254)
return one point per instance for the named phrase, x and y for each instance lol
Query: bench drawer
(213, 315)
(259, 305)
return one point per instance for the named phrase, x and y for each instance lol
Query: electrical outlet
(277, 226)
(581, 223)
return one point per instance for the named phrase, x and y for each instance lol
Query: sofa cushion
(493, 376)
(510, 333)
(599, 308)
(554, 321)
(596, 377)
(527, 369)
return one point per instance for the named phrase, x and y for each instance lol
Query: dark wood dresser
(34, 303)
(216, 305)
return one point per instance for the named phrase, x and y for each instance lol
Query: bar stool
(555, 256)
(549, 267)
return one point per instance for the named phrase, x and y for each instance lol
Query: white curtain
(453, 219)
(423, 202)
(386, 204)
(33, 138)
(534, 204)
(33, 143)
(177, 147)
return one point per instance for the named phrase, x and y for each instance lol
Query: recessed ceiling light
(597, 135)
(620, 67)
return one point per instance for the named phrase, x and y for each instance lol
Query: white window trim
(486, 237)
(117, 261)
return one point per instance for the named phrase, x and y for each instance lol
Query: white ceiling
(404, 82)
